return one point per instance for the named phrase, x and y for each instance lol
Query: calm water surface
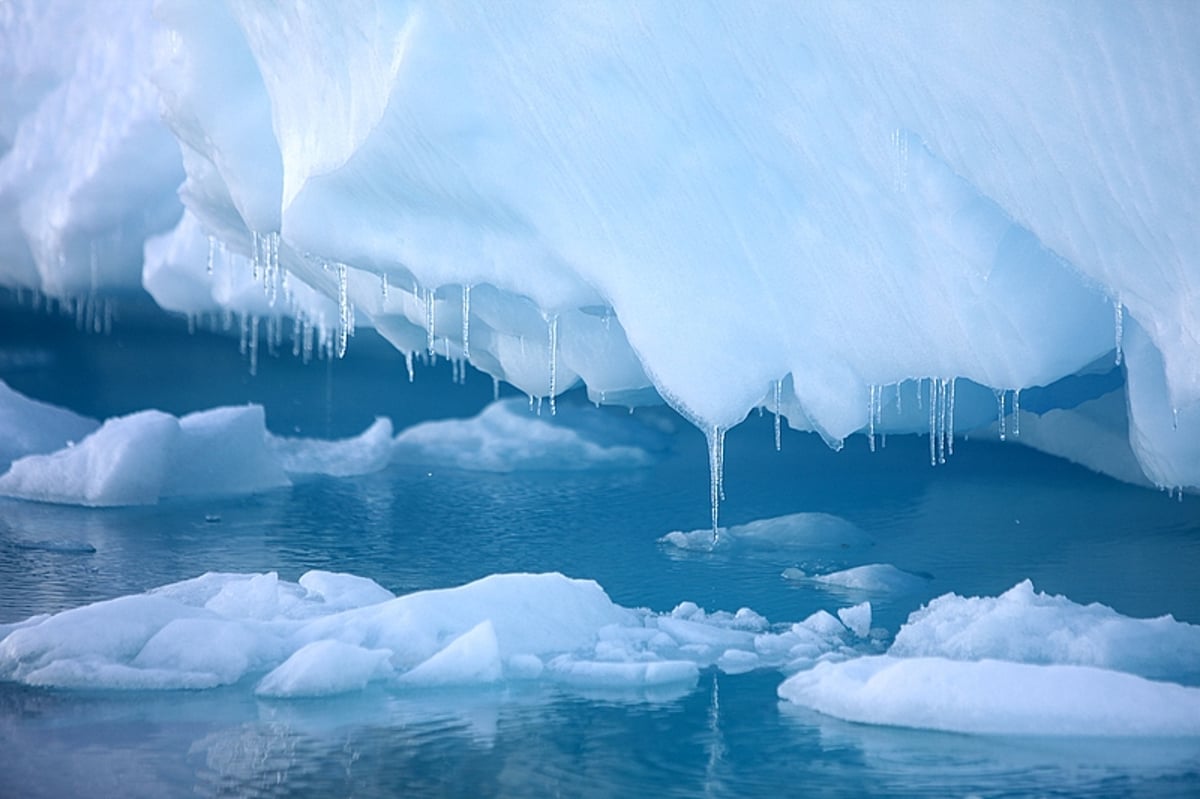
(990, 517)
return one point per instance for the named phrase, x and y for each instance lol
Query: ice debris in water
(333, 633)
(814, 532)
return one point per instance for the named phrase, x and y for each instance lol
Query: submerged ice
(817, 209)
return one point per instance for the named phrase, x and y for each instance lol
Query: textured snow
(804, 207)
(150, 455)
(334, 633)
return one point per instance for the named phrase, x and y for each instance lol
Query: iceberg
(806, 208)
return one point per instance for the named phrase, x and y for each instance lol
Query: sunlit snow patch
(331, 633)
(1021, 663)
(150, 455)
(820, 533)
(507, 437)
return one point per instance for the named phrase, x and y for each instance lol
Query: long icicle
(466, 321)
(553, 363)
(716, 467)
(778, 415)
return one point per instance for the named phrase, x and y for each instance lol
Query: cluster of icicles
(311, 335)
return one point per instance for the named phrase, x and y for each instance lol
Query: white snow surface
(333, 633)
(1022, 663)
(705, 202)
(150, 455)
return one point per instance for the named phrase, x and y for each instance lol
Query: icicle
(539, 405)
(932, 421)
(254, 254)
(1016, 413)
(466, 320)
(899, 405)
(343, 310)
(778, 415)
(383, 286)
(530, 403)
(553, 362)
(1000, 403)
(1174, 418)
(245, 337)
(716, 467)
(871, 397)
(1119, 325)
(212, 249)
(408, 364)
(495, 389)
(430, 322)
(296, 326)
(253, 346)
(941, 413)
(950, 418)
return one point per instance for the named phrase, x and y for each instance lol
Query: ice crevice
(741, 249)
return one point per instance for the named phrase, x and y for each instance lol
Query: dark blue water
(995, 514)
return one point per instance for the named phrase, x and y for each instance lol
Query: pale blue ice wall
(703, 200)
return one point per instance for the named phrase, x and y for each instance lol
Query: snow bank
(507, 436)
(29, 427)
(996, 697)
(147, 456)
(1023, 663)
(820, 533)
(332, 633)
(873, 199)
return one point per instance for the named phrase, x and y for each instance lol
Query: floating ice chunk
(123, 463)
(325, 668)
(857, 618)
(368, 452)
(816, 532)
(505, 437)
(29, 427)
(995, 697)
(473, 658)
(229, 649)
(738, 661)
(874, 578)
(222, 452)
(148, 456)
(1033, 627)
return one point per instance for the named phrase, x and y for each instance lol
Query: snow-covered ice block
(1029, 626)
(147, 456)
(996, 697)
(506, 436)
(125, 462)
